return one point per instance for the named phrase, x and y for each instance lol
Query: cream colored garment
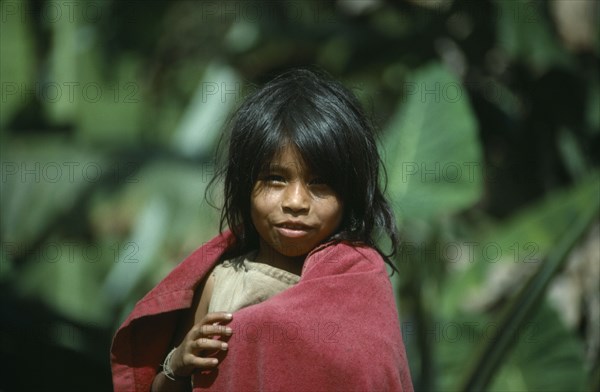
(236, 288)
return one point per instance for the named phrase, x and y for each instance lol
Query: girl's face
(292, 210)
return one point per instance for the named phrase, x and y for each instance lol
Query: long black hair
(324, 121)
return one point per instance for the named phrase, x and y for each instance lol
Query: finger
(200, 362)
(210, 344)
(213, 330)
(216, 317)
(200, 329)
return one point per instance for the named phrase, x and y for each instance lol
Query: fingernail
(214, 360)
(223, 346)
(229, 316)
(228, 330)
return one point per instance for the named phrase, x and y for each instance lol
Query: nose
(296, 198)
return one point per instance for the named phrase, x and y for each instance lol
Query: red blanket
(336, 330)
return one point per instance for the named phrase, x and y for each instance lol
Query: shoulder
(212, 249)
(195, 266)
(341, 257)
(345, 251)
(177, 289)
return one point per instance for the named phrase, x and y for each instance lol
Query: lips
(293, 229)
(293, 225)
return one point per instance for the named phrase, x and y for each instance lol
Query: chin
(295, 253)
(291, 250)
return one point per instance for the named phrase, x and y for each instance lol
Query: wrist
(168, 369)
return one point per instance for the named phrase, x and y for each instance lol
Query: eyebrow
(284, 169)
(276, 167)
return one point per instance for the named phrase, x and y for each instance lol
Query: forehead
(289, 158)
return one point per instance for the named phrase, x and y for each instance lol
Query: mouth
(293, 229)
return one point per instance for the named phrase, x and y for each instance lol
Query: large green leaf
(516, 247)
(517, 312)
(65, 275)
(215, 96)
(17, 61)
(167, 219)
(42, 179)
(533, 243)
(433, 156)
(546, 356)
(111, 109)
(525, 34)
(140, 232)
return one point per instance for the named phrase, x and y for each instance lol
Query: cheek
(262, 203)
(256, 210)
(333, 212)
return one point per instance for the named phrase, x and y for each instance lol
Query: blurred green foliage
(490, 116)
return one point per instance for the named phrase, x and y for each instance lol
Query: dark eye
(317, 181)
(273, 178)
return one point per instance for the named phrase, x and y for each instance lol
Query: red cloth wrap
(336, 330)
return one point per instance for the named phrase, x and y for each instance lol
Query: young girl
(295, 296)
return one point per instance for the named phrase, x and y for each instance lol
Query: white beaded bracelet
(168, 370)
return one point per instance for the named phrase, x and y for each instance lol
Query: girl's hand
(192, 353)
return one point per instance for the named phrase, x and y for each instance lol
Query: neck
(277, 260)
